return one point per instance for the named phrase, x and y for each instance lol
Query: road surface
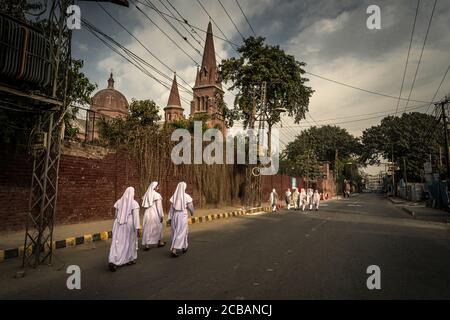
(290, 255)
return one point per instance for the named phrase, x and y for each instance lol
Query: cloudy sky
(331, 37)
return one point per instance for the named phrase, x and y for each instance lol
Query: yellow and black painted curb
(101, 236)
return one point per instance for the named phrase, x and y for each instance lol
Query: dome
(109, 101)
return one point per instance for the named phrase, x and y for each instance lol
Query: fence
(87, 126)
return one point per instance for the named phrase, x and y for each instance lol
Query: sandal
(161, 244)
(112, 267)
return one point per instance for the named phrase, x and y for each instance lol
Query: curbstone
(105, 235)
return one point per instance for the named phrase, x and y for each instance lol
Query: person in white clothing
(287, 198)
(310, 198)
(303, 199)
(273, 200)
(316, 200)
(124, 243)
(152, 226)
(180, 204)
(295, 198)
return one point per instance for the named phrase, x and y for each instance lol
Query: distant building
(173, 111)
(108, 103)
(373, 182)
(208, 90)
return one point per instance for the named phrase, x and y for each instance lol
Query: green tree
(79, 93)
(312, 147)
(188, 123)
(411, 139)
(142, 120)
(286, 85)
(324, 141)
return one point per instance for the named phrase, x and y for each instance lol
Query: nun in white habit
(180, 204)
(152, 226)
(124, 243)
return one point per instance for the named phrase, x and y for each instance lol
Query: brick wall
(15, 180)
(91, 179)
(89, 183)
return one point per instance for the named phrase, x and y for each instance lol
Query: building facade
(107, 103)
(208, 92)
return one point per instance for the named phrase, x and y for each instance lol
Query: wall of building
(92, 178)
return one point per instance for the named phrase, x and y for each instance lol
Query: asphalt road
(290, 255)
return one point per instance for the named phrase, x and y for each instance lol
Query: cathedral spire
(174, 97)
(111, 81)
(209, 55)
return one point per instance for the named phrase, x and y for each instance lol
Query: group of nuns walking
(124, 246)
(297, 200)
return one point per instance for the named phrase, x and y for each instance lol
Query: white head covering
(180, 198)
(302, 191)
(125, 205)
(150, 195)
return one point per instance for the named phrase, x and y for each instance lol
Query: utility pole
(444, 118)
(393, 171)
(336, 153)
(404, 170)
(263, 111)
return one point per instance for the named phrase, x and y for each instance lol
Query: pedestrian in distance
(295, 198)
(273, 200)
(310, 198)
(347, 189)
(180, 204)
(316, 200)
(287, 198)
(152, 226)
(124, 243)
(303, 199)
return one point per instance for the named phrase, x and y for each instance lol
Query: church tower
(173, 111)
(208, 87)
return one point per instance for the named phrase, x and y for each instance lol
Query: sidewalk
(420, 211)
(15, 239)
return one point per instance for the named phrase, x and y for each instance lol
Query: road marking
(353, 205)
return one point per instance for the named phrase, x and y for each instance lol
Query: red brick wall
(15, 180)
(91, 179)
(88, 187)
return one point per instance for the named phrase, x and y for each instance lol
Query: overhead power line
(185, 22)
(439, 87)
(246, 19)
(364, 90)
(167, 36)
(234, 46)
(148, 50)
(197, 39)
(364, 119)
(174, 28)
(128, 55)
(421, 54)
(231, 19)
(407, 56)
